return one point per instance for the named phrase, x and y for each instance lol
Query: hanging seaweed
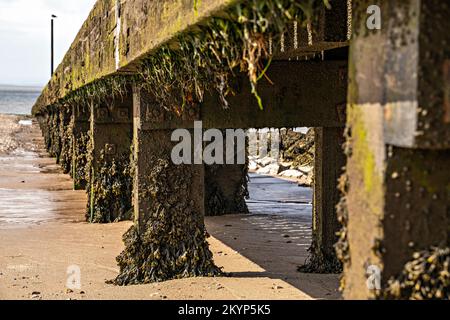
(206, 60)
(172, 243)
(100, 90)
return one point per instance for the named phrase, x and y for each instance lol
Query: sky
(25, 37)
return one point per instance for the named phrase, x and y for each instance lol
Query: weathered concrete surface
(111, 133)
(303, 94)
(398, 197)
(404, 70)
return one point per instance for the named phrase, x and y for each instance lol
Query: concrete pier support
(330, 161)
(81, 137)
(168, 239)
(110, 178)
(44, 124)
(398, 179)
(66, 135)
(54, 138)
(226, 188)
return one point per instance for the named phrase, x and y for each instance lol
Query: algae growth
(172, 243)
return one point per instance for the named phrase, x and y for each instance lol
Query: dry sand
(42, 233)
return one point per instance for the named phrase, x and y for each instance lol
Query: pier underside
(381, 119)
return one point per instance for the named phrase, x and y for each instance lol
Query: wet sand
(42, 233)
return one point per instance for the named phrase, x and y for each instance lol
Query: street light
(52, 45)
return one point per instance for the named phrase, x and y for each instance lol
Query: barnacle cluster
(425, 277)
(342, 246)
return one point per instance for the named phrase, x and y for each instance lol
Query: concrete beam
(118, 34)
(301, 94)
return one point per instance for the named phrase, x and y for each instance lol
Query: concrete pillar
(65, 129)
(44, 121)
(54, 139)
(398, 179)
(80, 132)
(329, 164)
(226, 188)
(110, 179)
(168, 239)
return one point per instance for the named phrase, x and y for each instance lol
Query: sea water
(18, 99)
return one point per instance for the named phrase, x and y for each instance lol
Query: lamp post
(52, 45)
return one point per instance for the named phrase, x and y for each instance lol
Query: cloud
(25, 36)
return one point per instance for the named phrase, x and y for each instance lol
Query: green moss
(364, 159)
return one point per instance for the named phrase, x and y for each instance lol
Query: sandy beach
(43, 233)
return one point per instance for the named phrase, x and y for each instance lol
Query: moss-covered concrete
(93, 55)
(396, 187)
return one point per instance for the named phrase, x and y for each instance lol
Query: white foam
(25, 122)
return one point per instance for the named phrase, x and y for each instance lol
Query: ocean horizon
(16, 99)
